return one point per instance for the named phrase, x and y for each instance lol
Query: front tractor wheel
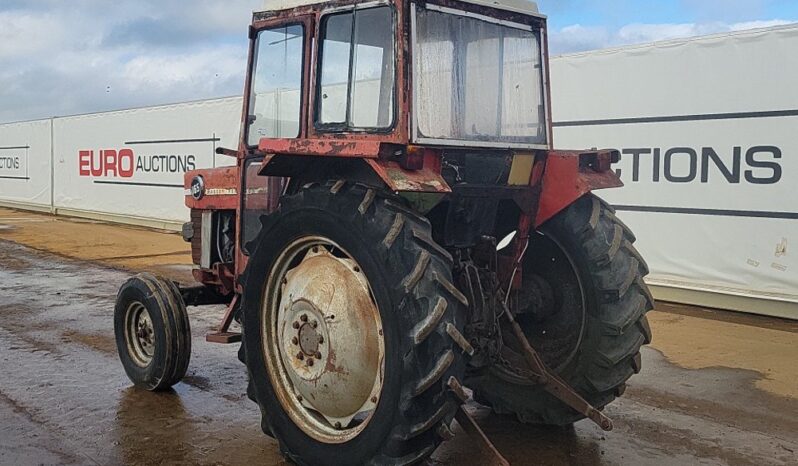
(152, 331)
(582, 307)
(348, 313)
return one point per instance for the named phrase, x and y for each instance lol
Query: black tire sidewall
(149, 377)
(351, 236)
(591, 328)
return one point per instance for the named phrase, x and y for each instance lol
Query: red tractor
(397, 226)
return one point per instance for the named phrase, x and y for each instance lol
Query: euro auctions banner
(132, 162)
(707, 131)
(25, 163)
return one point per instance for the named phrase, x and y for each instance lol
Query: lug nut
(296, 324)
(310, 362)
(300, 356)
(314, 324)
(337, 425)
(373, 399)
(318, 354)
(303, 317)
(299, 397)
(295, 340)
(321, 338)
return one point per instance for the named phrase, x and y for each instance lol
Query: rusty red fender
(570, 175)
(320, 147)
(425, 177)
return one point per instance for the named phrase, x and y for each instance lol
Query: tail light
(416, 157)
(599, 160)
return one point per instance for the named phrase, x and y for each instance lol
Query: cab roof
(516, 6)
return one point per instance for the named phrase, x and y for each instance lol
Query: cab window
(356, 70)
(275, 98)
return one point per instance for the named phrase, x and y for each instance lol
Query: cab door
(274, 107)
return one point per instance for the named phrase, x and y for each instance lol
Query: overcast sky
(61, 57)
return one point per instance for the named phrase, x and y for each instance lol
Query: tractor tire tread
(616, 325)
(403, 239)
(176, 338)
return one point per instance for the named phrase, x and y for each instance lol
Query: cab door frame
(247, 154)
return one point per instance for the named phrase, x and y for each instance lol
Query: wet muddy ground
(715, 388)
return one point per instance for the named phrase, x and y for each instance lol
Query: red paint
(125, 155)
(220, 275)
(108, 162)
(564, 181)
(96, 171)
(83, 162)
(348, 147)
(222, 178)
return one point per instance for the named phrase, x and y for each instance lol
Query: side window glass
(357, 69)
(335, 67)
(276, 85)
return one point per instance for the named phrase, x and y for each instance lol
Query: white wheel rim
(139, 334)
(323, 341)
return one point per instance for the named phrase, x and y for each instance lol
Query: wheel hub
(330, 343)
(551, 309)
(310, 339)
(140, 334)
(304, 340)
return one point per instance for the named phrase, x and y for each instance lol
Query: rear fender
(352, 160)
(570, 175)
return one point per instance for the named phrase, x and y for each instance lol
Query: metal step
(223, 337)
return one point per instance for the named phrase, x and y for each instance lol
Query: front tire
(339, 236)
(153, 336)
(592, 342)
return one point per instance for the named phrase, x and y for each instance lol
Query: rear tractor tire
(348, 311)
(591, 323)
(153, 336)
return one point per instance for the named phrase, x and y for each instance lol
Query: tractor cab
(448, 73)
(417, 96)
